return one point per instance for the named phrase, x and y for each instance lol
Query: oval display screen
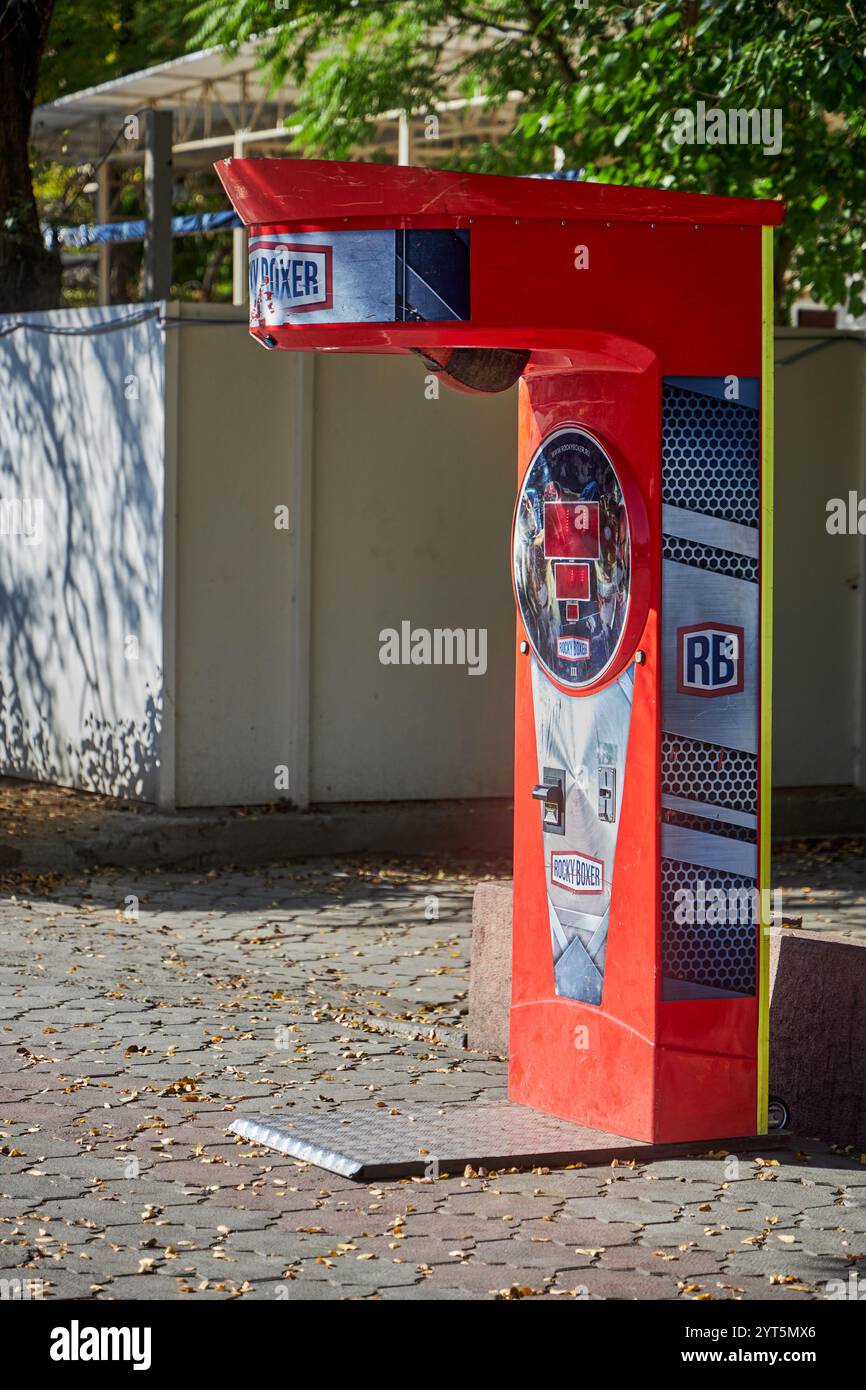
(572, 557)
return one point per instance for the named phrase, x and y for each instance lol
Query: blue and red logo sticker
(710, 659)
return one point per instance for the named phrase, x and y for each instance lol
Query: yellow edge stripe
(766, 732)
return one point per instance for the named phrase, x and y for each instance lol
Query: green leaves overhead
(602, 85)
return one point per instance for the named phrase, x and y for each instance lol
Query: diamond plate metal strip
(495, 1135)
(372, 1146)
(288, 1141)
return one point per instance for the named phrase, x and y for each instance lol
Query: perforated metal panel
(710, 449)
(709, 557)
(708, 772)
(711, 956)
(710, 469)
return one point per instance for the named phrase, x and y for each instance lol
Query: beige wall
(401, 510)
(819, 628)
(411, 515)
(409, 518)
(234, 575)
(259, 647)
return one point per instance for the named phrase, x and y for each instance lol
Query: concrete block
(490, 973)
(818, 1033)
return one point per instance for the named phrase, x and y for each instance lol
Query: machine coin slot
(606, 793)
(551, 794)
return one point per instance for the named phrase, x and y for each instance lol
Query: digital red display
(572, 581)
(571, 531)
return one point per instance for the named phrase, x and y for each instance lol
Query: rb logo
(709, 659)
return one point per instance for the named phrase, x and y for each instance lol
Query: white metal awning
(207, 91)
(217, 96)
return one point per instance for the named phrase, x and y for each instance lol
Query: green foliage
(89, 42)
(602, 84)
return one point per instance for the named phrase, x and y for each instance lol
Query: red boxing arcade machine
(639, 325)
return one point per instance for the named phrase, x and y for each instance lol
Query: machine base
(440, 1140)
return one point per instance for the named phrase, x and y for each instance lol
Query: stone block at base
(818, 1033)
(490, 972)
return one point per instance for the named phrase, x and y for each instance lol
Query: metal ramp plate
(438, 1140)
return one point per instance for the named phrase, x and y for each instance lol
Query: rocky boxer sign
(290, 275)
(580, 873)
(366, 275)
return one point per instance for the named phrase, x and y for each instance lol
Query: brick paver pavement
(139, 1014)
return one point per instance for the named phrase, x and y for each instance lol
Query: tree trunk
(212, 269)
(29, 274)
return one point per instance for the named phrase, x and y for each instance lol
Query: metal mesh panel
(708, 772)
(710, 557)
(710, 453)
(718, 956)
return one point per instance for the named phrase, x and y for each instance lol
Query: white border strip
(710, 530)
(709, 851)
(709, 812)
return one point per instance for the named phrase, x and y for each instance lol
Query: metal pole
(240, 272)
(404, 139)
(157, 194)
(103, 209)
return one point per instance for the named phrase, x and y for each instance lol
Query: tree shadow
(82, 433)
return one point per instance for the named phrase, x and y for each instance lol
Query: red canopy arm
(273, 191)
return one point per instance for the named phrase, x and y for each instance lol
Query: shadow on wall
(112, 758)
(81, 522)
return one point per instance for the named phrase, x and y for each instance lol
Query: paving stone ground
(824, 883)
(140, 1014)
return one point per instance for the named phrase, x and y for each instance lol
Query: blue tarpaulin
(94, 235)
